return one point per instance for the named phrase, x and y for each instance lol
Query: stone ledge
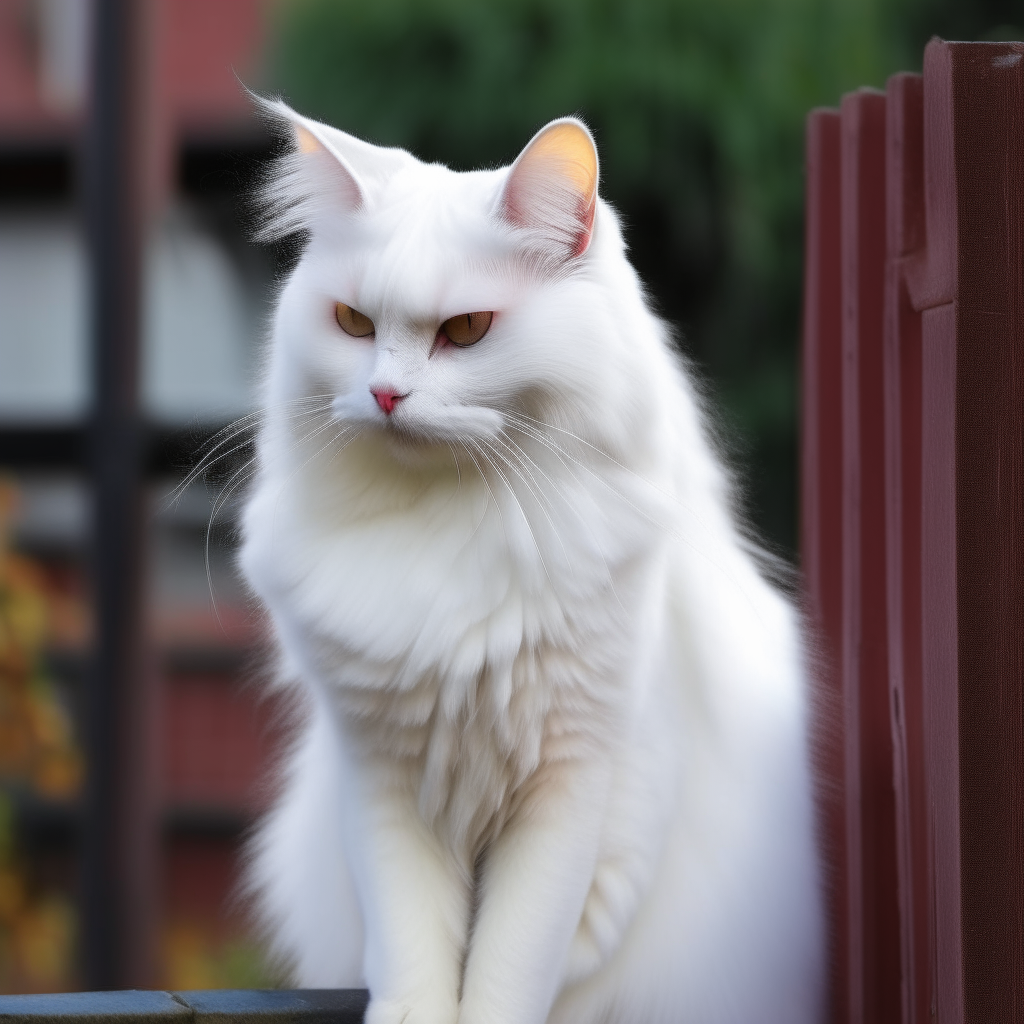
(225, 1006)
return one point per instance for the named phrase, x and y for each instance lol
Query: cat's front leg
(534, 885)
(415, 906)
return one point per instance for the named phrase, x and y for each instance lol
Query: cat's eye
(466, 328)
(352, 322)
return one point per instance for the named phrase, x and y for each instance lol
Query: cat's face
(430, 305)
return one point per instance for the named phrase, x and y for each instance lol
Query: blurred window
(198, 328)
(43, 370)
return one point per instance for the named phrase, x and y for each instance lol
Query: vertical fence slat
(930, 275)
(902, 381)
(932, 281)
(821, 516)
(988, 136)
(938, 630)
(871, 840)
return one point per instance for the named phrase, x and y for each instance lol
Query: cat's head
(431, 304)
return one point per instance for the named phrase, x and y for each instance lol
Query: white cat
(553, 763)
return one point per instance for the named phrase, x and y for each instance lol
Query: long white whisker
(295, 472)
(210, 458)
(522, 460)
(674, 498)
(537, 492)
(559, 491)
(458, 470)
(483, 476)
(326, 425)
(341, 433)
(455, 459)
(205, 465)
(344, 446)
(559, 451)
(519, 504)
(226, 435)
(583, 520)
(220, 502)
(522, 426)
(562, 454)
(232, 485)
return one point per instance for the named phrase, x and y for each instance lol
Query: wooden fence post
(973, 538)
(873, 919)
(902, 383)
(930, 644)
(821, 518)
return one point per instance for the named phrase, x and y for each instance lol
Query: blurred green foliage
(698, 110)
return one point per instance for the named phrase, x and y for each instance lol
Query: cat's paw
(410, 1011)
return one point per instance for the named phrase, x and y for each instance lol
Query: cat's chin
(416, 451)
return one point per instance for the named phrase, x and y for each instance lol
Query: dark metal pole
(116, 851)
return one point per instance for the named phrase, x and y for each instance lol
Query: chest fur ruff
(444, 654)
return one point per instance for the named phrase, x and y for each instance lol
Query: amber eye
(351, 321)
(466, 328)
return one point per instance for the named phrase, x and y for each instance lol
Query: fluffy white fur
(553, 763)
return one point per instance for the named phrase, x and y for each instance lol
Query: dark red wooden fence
(913, 535)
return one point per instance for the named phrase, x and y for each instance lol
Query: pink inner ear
(587, 220)
(552, 187)
(517, 209)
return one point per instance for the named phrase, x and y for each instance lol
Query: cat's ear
(326, 172)
(551, 189)
(313, 144)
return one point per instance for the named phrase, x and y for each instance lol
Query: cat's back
(729, 926)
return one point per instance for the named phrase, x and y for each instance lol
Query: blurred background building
(698, 110)
(204, 297)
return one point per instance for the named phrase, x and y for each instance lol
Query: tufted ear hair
(551, 189)
(326, 171)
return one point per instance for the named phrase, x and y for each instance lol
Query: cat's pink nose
(387, 400)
